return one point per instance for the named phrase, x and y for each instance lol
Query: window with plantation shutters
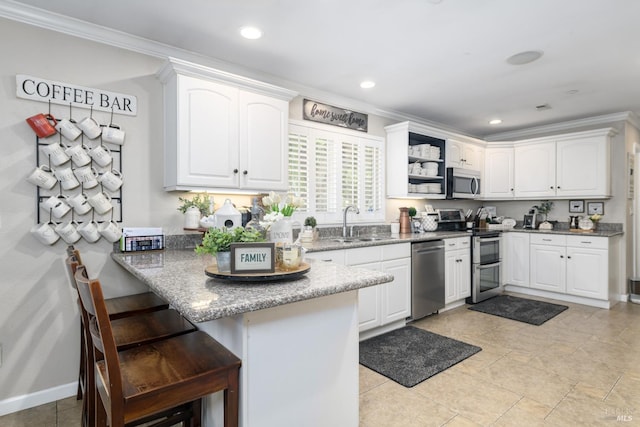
(332, 170)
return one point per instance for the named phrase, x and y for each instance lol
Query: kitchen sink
(372, 239)
(346, 240)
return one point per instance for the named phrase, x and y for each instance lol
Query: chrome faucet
(344, 221)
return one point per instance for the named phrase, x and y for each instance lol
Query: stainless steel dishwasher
(427, 278)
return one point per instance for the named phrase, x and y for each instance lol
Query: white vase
(281, 231)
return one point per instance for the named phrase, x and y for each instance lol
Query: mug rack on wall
(100, 173)
(42, 195)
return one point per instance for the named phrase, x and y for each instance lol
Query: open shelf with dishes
(413, 148)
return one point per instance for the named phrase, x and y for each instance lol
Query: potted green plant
(412, 212)
(544, 208)
(310, 228)
(217, 241)
(194, 209)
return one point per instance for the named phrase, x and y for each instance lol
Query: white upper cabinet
(535, 170)
(571, 165)
(498, 173)
(583, 166)
(464, 155)
(223, 132)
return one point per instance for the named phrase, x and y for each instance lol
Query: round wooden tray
(212, 271)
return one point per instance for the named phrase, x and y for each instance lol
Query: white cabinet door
(263, 142)
(464, 274)
(583, 167)
(535, 170)
(473, 157)
(457, 275)
(548, 268)
(370, 302)
(396, 295)
(498, 173)
(450, 276)
(455, 154)
(516, 258)
(587, 272)
(206, 128)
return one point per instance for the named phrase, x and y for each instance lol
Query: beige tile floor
(582, 368)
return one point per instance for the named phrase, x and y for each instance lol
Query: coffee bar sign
(37, 89)
(335, 116)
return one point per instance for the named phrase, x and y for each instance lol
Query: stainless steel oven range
(485, 267)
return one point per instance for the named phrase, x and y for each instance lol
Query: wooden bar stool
(128, 332)
(165, 380)
(130, 304)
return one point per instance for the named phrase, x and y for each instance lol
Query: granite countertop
(328, 244)
(178, 276)
(598, 233)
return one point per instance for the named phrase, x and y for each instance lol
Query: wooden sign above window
(322, 113)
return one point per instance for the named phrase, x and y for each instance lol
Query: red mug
(43, 125)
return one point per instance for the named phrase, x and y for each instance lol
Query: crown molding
(626, 116)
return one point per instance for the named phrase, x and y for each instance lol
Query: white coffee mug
(45, 233)
(110, 231)
(78, 155)
(43, 177)
(87, 176)
(57, 205)
(113, 134)
(68, 129)
(111, 180)
(56, 153)
(66, 178)
(89, 231)
(90, 127)
(79, 203)
(68, 232)
(101, 155)
(101, 203)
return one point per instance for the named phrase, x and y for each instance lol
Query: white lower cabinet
(383, 307)
(515, 258)
(548, 267)
(457, 270)
(575, 268)
(588, 266)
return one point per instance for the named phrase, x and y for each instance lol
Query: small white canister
(192, 217)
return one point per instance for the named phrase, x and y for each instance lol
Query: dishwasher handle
(426, 247)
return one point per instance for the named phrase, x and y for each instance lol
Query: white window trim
(314, 130)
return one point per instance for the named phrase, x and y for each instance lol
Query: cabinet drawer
(363, 255)
(402, 250)
(327, 256)
(548, 239)
(592, 242)
(457, 243)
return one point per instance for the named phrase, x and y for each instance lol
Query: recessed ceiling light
(495, 121)
(524, 57)
(367, 84)
(572, 91)
(251, 33)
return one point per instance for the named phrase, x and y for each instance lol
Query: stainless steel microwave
(463, 183)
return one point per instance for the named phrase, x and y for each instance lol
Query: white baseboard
(26, 401)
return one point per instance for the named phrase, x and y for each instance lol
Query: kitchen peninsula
(298, 340)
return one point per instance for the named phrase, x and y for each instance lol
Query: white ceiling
(439, 60)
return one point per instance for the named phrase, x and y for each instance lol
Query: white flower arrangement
(276, 210)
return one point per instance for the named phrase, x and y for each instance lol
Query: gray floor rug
(410, 355)
(520, 309)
